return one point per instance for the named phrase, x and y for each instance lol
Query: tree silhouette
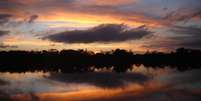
(118, 60)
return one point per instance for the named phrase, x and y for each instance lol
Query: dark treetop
(86, 61)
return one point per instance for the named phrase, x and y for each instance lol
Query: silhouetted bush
(86, 61)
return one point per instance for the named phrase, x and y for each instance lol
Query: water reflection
(139, 83)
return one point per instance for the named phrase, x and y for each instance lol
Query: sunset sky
(97, 25)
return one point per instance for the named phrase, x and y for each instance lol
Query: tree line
(118, 60)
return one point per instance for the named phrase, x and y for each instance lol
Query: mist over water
(138, 83)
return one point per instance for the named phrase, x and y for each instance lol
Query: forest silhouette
(118, 60)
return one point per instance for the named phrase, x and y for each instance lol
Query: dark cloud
(191, 44)
(2, 33)
(4, 18)
(2, 82)
(183, 14)
(9, 4)
(189, 30)
(189, 36)
(32, 18)
(102, 79)
(101, 33)
(7, 46)
(184, 36)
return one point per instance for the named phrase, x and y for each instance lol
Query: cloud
(32, 18)
(4, 18)
(101, 33)
(188, 30)
(84, 13)
(2, 33)
(190, 36)
(110, 2)
(191, 44)
(105, 11)
(7, 46)
(102, 79)
(183, 14)
(3, 82)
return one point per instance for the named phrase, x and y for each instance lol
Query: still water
(138, 84)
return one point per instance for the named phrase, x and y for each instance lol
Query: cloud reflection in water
(103, 86)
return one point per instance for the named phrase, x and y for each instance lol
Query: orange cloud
(93, 18)
(111, 2)
(24, 1)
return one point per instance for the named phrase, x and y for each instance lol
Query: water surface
(138, 83)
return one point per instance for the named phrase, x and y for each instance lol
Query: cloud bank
(2, 33)
(102, 33)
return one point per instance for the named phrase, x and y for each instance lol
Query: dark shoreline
(82, 61)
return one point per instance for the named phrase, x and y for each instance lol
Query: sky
(99, 25)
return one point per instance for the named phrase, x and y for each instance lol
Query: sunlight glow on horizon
(31, 20)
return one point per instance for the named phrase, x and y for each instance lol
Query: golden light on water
(134, 90)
